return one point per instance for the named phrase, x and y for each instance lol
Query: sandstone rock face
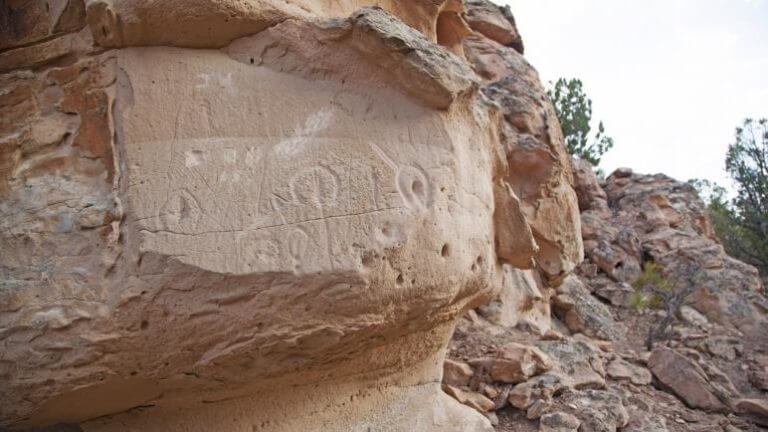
(523, 300)
(590, 194)
(206, 205)
(494, 22)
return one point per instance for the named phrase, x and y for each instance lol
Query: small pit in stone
(400, 279)
(445, 251)
(368, 260)
(417, 187)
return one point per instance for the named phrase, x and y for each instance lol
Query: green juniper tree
(741, 224)
(574, 110)
(747, 164)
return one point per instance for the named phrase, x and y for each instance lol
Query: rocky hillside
(587, 366)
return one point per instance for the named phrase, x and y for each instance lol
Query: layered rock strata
(264, 215)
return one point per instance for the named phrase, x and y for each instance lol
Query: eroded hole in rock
(400, 279)
(368, 260)
(417, 187)
(445, 251)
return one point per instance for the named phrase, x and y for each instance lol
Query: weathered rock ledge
(264, 215)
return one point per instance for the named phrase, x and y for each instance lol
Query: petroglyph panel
(252, 170)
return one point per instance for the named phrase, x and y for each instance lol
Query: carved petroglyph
(277, 213)
(283, 212)
(243, 169)
(414, 187)
(411, 181)
(248, 223)
(315, 186)
(279, 183)
(297, 245)
(181, 212)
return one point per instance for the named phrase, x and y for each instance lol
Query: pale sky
(671, 79)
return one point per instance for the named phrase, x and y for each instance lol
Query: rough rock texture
(583, 313)
(665, 221)
(494, 22)
(559, 422)
(685, 378)
(620, 369)
(710, 370)
(267, 214)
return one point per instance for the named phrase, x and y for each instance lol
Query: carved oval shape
(414, 187)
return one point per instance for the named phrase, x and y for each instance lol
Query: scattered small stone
(469, 398)
(456, 373)
(559, 422)
(623, 370)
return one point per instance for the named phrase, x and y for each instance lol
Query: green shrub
(652, 276)
(639, 300)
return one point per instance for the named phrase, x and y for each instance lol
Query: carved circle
(414, 187)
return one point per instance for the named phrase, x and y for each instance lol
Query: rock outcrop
(267, 215)
(686, 379)
(706, 371)
(672, 229)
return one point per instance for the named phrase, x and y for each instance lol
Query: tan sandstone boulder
(239, 213)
